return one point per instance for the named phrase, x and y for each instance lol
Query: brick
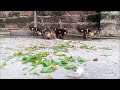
(2, 25)
(26, 13)
(21, 25)
(66, 13)
(94, 18)
(38, 25)
(109, 16)
(19, 20)
(11, 26)
(11, 20)
(39, 19)
(82, 18)
(118, 26)
(2, 15)
(108, 26)
(65, 19)
(70, 19)
(109, 33)
(58, 13)
(74, 19)
(5, 33)
(23, 32)
(67, 25)
(4, 30)
(51, 20)
(51, 13)
(106, 16)
(44, 13)
(87, 12)
(14, 14)
(47, 26)
(1, 20)
(74, 12)
(52, 26)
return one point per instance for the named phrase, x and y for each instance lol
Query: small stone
(96, 59)
(78, 74)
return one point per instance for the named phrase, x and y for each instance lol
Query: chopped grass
(105, 55)
(17, 54)
(62, 47)
(60, 54)
(84, 46)
(35, 73)
(33, 48)
(50, 77)
(8, 48)
(2, 65)
(105, 48)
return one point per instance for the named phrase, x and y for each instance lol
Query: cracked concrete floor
(107, 66)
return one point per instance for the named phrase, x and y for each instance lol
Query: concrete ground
(107, 66)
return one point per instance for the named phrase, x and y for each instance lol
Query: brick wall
(15, 20)
(110, 23)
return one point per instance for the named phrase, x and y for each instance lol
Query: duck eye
(65, 32)
(32, 28)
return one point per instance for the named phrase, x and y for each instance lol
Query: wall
(17, 20)
(110, 23)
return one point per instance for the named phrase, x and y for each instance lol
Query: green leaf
(47, 70)
(39, 62)
(44, 54)
(54, 67)
(81, 60)
(46, 63)
(59, 63)
(29, 58)
(64, 62)
(71, 59)
(53, 62)
(70, 67)
(38, 56)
